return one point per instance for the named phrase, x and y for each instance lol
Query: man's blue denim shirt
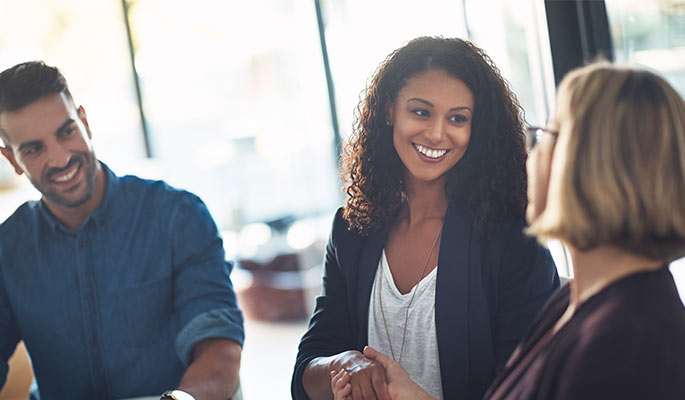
(114, 309)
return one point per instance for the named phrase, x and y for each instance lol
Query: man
(118, 286)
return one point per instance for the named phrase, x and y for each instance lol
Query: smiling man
(118, 286)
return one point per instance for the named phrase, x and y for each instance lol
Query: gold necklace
(411, 300)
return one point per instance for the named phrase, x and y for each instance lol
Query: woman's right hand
(366, 376)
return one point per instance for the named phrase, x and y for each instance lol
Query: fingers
(379, 384)
(365, 377)
(340, 385)
(371, 353)
(378, 357)
(357, 393)
(368, 385)
(372, 385)
(367, 389)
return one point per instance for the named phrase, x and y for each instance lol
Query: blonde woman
(607, 178)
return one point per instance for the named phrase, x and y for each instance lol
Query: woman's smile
(433, 155)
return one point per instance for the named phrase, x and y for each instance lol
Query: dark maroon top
(625, 342)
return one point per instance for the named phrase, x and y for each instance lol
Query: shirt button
(96, 350)
(82, 243)
(89, 296)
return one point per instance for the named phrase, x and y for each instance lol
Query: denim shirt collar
(99, 215)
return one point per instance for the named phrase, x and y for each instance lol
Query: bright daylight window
(652, 34)
(236, 103)
(87, 41)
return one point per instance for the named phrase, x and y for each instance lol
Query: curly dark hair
(490, 179)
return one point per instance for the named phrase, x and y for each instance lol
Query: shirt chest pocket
(145, 310)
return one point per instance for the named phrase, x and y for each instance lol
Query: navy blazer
(489, 289)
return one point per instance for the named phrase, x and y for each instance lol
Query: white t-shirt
(420, 354)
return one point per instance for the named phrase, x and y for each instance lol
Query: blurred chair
(20, 376)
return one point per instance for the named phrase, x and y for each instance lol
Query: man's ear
(84, 119)
(9, 155)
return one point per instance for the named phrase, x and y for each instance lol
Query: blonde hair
(618, 170)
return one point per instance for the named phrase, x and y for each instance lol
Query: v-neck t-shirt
(420, 351)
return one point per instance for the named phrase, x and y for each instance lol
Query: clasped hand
(372, 376)
(357, 377)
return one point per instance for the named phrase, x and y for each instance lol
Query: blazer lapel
(368, 264)
(451, 303)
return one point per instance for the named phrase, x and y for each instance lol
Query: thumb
(377, 356)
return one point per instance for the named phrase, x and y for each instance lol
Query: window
(87, 41)
(236, 104)
(651, 33)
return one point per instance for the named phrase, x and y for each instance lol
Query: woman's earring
(387, 122)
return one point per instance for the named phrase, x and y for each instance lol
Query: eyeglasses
(534, 135)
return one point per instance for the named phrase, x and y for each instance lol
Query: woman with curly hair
(427, 261)
(606, 179)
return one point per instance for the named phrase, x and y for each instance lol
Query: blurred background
(247, 103)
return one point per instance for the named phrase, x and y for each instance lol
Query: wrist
(176, 395)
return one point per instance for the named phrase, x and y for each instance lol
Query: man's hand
(367, 377)
(400, 384)
(213, 374)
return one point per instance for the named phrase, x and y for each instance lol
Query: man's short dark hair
(25, 83)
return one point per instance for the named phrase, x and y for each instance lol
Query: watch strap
(177, 395)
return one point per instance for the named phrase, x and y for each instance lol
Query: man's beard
(87, 162)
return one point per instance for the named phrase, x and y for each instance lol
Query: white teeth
(429, 152)
(68, 176)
